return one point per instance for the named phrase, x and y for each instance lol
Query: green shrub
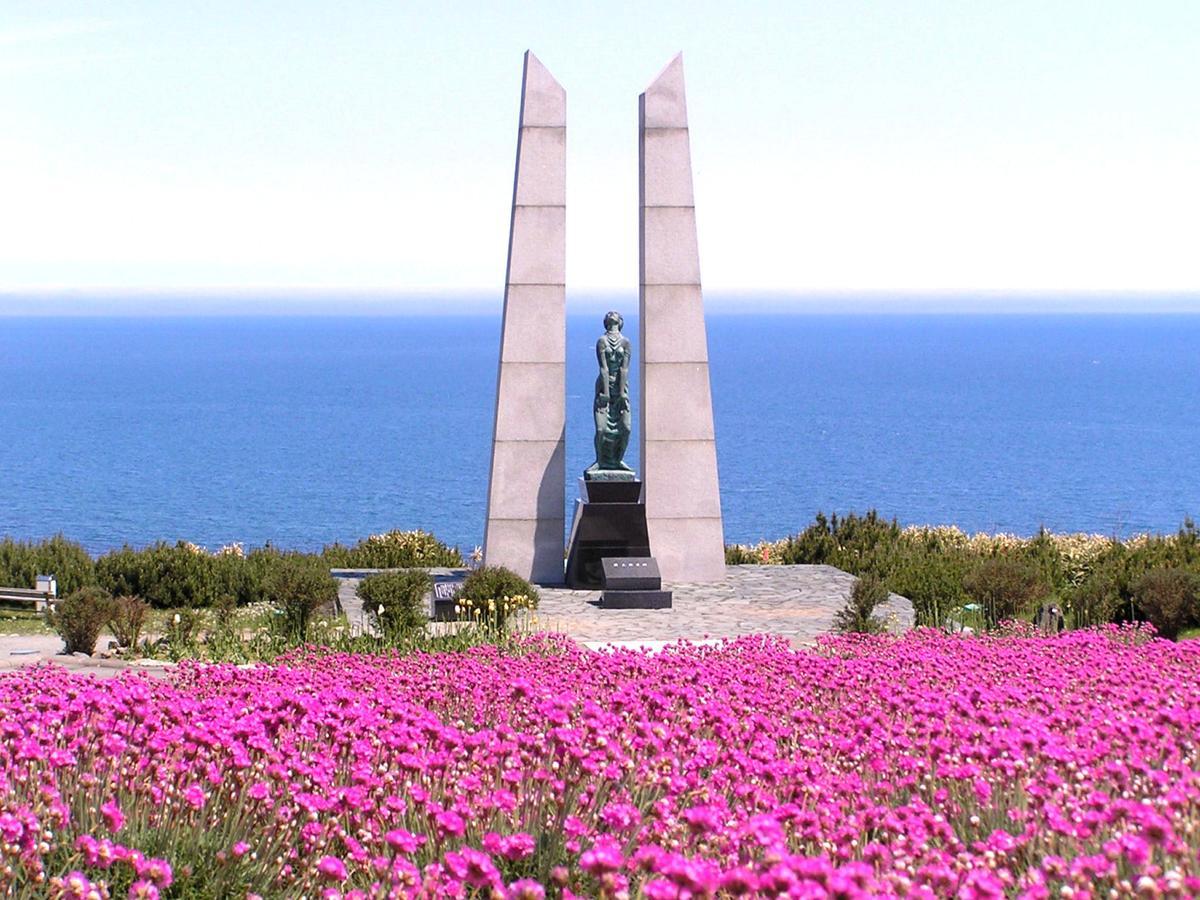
(1005, 588)
(393, 550)
(394, 602)
(79, 617)
(858, 615)
(931, 576)
(182, 638)
(1097, 601)
(298, 585)
(168, 576)
(22, 561)
(1169, 599)
(126, 618)
(490, 594)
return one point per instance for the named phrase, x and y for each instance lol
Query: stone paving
(797, 602)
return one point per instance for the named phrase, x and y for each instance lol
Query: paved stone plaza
(797, 602)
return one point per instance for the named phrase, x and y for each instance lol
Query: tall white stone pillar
(678, 443)
(527, 485)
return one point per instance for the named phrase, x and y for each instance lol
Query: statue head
(613, 318)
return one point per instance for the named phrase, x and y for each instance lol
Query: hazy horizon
(294, 302)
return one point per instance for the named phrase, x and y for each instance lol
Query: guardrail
(40, 599)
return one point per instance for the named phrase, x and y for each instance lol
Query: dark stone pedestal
(633, 582)
(610, 521)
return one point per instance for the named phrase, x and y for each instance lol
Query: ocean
(302, 431)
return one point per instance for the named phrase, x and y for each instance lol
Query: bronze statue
(611, 408)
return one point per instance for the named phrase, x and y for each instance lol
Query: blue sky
(906, 147)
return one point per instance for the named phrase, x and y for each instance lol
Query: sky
(902, 148)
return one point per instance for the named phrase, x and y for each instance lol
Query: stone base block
(605, 527)
(635, 600)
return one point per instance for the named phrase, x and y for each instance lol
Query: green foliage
(394, 602)
(79, 617)
(393, 550)
(298, 585)
(181, 639)
(491, 594)
(941, 570)
(1005, 588)
(858, 615)
(126, 619)
(1097, 601)
(22, 561)
(169, 576)
(1168, 598)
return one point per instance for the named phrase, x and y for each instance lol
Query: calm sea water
(303, 431)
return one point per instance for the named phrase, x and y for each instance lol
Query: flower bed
(926, 766)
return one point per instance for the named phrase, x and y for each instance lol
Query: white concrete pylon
(525, 524)
(678, 442)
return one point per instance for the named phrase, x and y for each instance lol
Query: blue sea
(302, 431)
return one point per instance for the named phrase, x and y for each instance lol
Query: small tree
(394, 602)
(126, 618)
(858, 615)
(298, 586)
(1005, 588)
(1169, 599)
(79, 617)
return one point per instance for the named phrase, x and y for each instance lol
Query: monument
(678, 442)
(677, 510)
(614, 418)
(527, 484)
(610, 517)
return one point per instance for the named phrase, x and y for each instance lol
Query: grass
(23, 621)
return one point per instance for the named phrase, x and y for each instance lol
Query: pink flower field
(923, 766)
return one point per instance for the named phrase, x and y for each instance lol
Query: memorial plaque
(441, 600)
(631, 573)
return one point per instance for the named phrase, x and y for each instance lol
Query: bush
(492, 593)
(126, 618)
(22, 561)
(394, 602)
(167, 576)
(393, 550)
(298, 585)
(858, 615)
(1005, 588)
(1169, 599)
(79, 617)
(1097, 601)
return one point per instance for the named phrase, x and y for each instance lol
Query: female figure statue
(614, 418)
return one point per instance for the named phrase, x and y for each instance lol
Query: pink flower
(143, 890)
(193, 795)
(525, 889)
(332, 868)
(405, 841)
(450, 824)
(113, 817)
